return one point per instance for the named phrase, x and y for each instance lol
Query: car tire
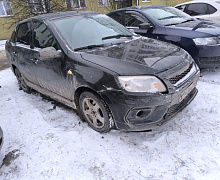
(21, 83)
(95, 112)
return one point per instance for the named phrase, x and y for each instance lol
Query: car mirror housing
(145, 26)
(49, 53)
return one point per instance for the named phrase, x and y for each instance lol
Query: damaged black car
(115, 79)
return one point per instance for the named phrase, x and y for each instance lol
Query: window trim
(6, 15)
(186, 8)
(70, 2)
(46, 28)
(103, 4)
(16, 36)
(137, 14)
(40, 2)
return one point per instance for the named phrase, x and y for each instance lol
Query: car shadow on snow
(55, 113)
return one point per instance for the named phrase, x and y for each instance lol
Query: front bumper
(1, 138)
(139, 112)
(208, 56)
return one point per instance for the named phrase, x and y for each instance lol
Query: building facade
(13, 11)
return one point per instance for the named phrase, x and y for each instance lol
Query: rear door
(22, 52)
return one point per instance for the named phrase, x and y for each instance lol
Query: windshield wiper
(169, 17)
(179, 22)
(88, 47)
(188, 20)
(171, 24)
(198, 25)
(116, 36)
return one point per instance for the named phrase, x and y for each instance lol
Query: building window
(145, 0)
(71, 4)
(5, 8)
(103, 3)
(38, 6)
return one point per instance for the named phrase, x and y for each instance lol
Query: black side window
(13, 36)
(24, 33)
(133, 20)
(211, 9)
(42, 36)
(181, 8)
(117, 16)
(197, 9)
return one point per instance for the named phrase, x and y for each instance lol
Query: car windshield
(167, 15)
(90, 31)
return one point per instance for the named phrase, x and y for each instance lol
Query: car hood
(198, 28)
(139, 56)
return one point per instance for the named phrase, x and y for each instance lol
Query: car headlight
(207, 41)
(149, 84)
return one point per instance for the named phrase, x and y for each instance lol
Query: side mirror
(49, 53)
(145, 26)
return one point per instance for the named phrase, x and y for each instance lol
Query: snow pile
(2, 44)
(46, 143)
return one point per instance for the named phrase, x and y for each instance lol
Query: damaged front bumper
(144, 111)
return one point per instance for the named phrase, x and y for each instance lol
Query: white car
(204, 9)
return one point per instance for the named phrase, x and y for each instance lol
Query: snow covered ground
(46, 143)
(2, 44)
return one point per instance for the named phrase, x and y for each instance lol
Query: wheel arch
(13, 67)
(80, 90)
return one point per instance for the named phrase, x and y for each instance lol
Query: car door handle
(15, 53)
(35, 60)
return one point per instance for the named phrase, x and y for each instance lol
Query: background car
(200, 38)
(204, 9)
(91, 63)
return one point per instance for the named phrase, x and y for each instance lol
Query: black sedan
(91, 63)
(198, 37)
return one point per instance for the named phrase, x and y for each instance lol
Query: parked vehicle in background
(204, 9)
(200, 38)
(91, 63)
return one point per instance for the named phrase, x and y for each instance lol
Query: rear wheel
(95, 112)
(21, 83)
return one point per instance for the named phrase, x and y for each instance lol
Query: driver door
(52, 73)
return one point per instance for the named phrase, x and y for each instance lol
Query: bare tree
(23, 9)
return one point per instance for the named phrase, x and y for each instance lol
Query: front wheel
(21, 83)
(95, 112)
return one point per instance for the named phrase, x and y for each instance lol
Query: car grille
(175, 79)
(210, 60)
(178, 107)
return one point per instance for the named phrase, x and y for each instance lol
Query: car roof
(51, 16)
(142, 7)
(213, 3)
